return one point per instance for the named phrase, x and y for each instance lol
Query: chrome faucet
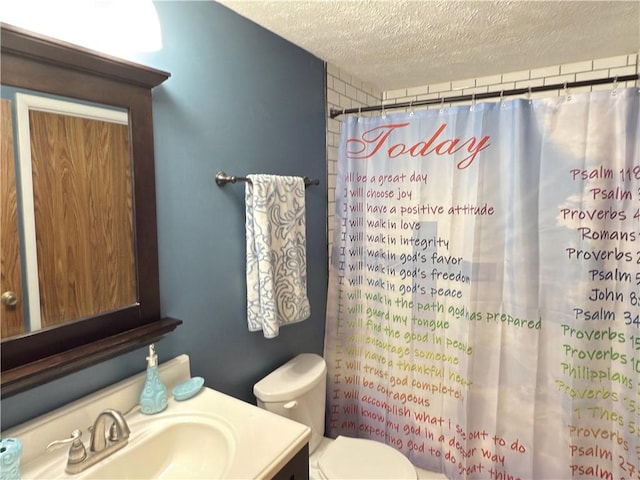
(118, 432)
(100, 446)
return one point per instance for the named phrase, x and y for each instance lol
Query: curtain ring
(567, 92)
(442, 105)
(411, 108)
(614, 92)
(529, 95)
(473, 102)
(384, 114)
(501, 98)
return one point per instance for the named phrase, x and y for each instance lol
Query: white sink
(209, 436)
(197, 447)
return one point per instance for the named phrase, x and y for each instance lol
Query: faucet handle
(115, 434)
(77, 451)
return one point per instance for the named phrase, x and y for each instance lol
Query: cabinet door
(297, 468)
(10, 269)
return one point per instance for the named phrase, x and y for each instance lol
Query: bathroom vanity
(210, 435)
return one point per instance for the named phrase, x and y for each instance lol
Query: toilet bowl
(351, 458)
(297, 390)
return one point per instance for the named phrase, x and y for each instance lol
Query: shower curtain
(484, 292)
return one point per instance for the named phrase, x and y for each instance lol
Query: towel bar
(222, 179)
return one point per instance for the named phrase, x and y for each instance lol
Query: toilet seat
(358, 458)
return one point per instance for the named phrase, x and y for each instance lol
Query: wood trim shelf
(50, 368)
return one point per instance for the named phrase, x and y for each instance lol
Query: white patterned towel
(276, 253)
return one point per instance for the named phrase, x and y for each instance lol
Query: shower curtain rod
(335, 112)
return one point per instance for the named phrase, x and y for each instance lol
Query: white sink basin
(197, 447)
(209, 436)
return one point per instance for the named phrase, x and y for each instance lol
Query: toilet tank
(297, 390)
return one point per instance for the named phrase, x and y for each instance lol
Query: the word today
(375, 139)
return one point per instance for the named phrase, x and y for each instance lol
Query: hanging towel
(276, 253)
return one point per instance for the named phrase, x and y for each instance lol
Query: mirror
(76, 216)
(47, 67)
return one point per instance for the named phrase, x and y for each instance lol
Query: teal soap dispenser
(10, 453)
(153, 398)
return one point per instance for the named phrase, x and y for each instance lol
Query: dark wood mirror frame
(43, 64)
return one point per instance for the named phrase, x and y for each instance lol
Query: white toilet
(297, 390)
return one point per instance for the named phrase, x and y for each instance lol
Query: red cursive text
(371, 141)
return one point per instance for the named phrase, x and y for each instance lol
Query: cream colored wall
(346, 91)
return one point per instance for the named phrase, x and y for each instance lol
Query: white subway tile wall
(343, 91)
(346, 91)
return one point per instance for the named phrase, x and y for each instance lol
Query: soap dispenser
(153, 398)
(10, 453)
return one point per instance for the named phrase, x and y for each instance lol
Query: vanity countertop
(269, 440)
(261, 442)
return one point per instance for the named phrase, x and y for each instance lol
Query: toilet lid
(358, 458)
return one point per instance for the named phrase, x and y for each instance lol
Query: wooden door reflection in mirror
(77, 208)
(10, 264)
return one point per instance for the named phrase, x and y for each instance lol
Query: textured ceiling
(401, 43)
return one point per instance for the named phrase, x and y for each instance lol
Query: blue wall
(242, 100)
